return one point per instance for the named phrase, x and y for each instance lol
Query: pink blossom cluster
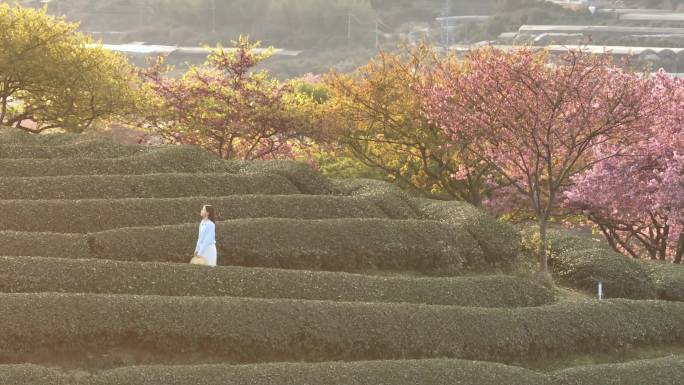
(638, 197)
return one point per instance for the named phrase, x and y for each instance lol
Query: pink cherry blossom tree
(536, 120)
(637, 199)
(228, 106)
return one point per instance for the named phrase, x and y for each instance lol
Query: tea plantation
(320, 281)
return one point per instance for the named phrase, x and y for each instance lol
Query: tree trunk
(543, 273)
(680, 249)
(3, 110)
(662, 242)
(475, 196)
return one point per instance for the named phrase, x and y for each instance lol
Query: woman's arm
(200, 239)
(207, 237)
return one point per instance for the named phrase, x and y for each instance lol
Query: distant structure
(572, 4)
(668, 58)
(449, 23)
(657, 16)
(600, 30)
(138, 52)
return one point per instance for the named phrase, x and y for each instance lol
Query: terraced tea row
(82, 216)
(68, 329)
(10, 136)
(86, 149)
(164, 159)
(171, 185)
(35, 275)
(98, 236)
(349, 244)
(663, 371)
(581, 262)
(175, 159)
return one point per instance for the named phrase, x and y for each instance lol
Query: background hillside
(341, 34)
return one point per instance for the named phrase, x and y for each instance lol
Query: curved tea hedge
(33, 275)
(582, 262)
(667, 277)
(239, 330)
(391, 199)
(307, 180)
(399, 372)
(661, 371)
(87, 149)
(82, 216)
(500, 242)
(182, 159)
(348, 244)
(12, 136)
(14, 243)
(171, 185)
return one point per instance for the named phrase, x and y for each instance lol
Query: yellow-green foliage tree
(377, 114)
(51, 76)
(330, 157)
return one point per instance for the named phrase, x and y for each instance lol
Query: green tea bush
(499, 242)
(168, 185)
(349, 244)
(86, 149)
(391, 199)
(239, 330)
(83, 216)
(179, 159)
(582, 263)
(34, 275)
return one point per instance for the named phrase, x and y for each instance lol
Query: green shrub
(661, 371)
(307, 180)
(33, 275)
(399, 372)
(82, 216)
(333, 244)
(169, 185)
(500, 242)
(159, 160)
(582, 263)
(391, 199)
(43, 244)
(349, 244)
(667, 277)
(24, 374)
(239, 330)
(563, 240)
(12, 136)
(86, 149)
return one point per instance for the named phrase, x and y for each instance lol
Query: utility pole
(213, 16)
(377, 32)
(349, 16)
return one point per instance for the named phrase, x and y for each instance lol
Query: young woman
(206, 242)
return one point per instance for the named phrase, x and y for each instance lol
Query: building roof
(464, 17)
(535, 29)
(595, 49)
(653, 16)
(631, 10)
(615, 49)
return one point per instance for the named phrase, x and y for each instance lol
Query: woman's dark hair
(212, 213)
